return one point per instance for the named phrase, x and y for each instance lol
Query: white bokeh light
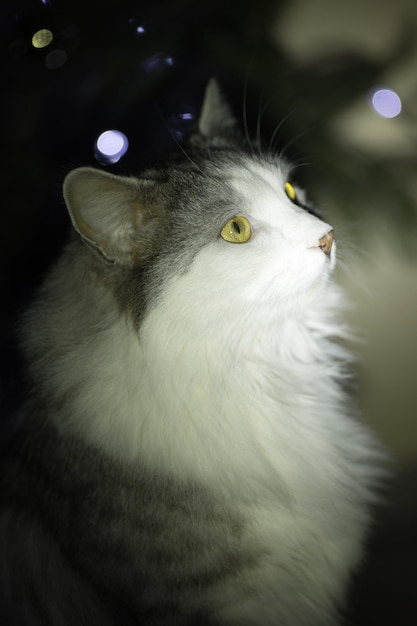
(386, 102)
(111, 145)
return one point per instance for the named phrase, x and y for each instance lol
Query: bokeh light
(157, 63)
(386, 102)
(180, 120)
(42, 38)
(111, 145)
(56, 59)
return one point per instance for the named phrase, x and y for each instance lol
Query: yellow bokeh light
(42, 38)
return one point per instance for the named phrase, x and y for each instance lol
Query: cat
(187, 454)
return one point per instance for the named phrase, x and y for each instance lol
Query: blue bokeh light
(386, 103)
(180, 120)
(157, 63)
(110, 146)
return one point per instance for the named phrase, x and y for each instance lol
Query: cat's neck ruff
(210, 403)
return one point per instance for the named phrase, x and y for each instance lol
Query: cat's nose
(326, 242)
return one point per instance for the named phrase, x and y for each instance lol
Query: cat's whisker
(298, 164)
(180, 146)
(284, 151)
(261, 111)
(245, 113)
(277, 133)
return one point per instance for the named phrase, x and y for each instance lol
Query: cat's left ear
(216, 118)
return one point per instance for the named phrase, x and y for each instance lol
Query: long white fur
(234, 381)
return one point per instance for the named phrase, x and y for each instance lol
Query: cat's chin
(310, 289)
(310, 274)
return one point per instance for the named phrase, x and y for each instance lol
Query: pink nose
(326, 242)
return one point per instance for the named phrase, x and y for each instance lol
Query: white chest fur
(258, 419)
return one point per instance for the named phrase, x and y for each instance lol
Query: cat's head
(226, 222)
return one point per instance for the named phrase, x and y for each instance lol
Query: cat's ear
(216, 118)
(111, 214)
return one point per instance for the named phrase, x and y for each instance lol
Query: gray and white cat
(187, 455)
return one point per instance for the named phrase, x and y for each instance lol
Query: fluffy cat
(187, 455)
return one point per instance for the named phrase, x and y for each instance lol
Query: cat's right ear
(216, 118)
(113, 214)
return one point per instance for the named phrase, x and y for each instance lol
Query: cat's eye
(290, 191)
(237, 230)
(300, 200)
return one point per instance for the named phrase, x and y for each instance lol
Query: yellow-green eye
(290, 191)
(237, 230)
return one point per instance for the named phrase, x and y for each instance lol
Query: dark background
(304, 68)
